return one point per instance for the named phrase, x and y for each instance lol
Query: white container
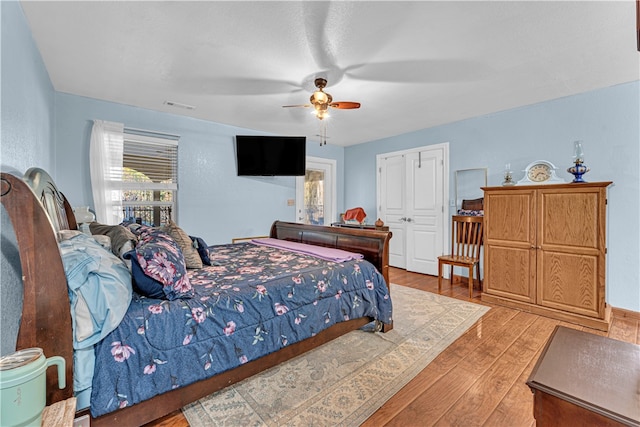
(83, 214)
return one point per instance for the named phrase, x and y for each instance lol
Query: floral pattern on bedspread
(252, 301)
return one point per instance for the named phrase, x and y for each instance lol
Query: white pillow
(104, 241)
(67, 234)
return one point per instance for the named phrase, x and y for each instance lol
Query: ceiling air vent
(179, 105)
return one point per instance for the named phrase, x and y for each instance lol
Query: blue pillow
(99, 289)
(158, 267)
(202, 249)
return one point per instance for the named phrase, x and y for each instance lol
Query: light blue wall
(27, 112)
(606, 120)
(213, 202)
(48, 129)
(26, 139)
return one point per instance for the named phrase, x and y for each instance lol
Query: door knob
(409, 220)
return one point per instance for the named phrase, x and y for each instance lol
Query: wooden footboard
(46, 320)
(373, 244)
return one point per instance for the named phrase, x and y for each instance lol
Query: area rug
(346, 380)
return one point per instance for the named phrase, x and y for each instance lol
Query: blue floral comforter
(253, 301)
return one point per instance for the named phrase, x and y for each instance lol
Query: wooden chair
(466, 240)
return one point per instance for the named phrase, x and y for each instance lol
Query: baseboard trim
(601, 324)
(618, 313)
(621, 313)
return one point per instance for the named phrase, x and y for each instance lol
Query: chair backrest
(466, 235)
(473, 205)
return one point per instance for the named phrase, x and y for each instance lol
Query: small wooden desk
(586, 379)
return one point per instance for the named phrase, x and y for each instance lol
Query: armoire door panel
(510, 216)
(569, 219)
(569, 282)
(510, 273)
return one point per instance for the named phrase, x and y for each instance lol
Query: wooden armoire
(545, 250)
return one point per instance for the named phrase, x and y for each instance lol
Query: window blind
(150, 177)
(154, 159)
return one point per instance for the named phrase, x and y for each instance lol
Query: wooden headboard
(46, 318)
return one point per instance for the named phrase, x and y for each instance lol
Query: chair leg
(439, 276)
(478, 274)
(470, 281)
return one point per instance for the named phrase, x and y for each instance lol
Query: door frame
(444, 146)
(330, 167)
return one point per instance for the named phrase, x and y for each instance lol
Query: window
(149, 177)
(314, 196)
(316, 192)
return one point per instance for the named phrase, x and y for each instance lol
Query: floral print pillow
(158, 267)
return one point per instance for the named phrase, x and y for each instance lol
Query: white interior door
(424, 210)
(392, 205)
(412, 186)
(316, 192)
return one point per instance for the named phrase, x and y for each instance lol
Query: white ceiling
(412, 65)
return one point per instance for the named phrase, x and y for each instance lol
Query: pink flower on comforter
(321, 286)
(155, 308)
(230, 328)
(198, 314)
(182, 285)
(121, 352)
(250, 270)
(187, 339)
(280, 308)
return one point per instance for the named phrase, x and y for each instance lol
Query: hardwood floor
(479, 380)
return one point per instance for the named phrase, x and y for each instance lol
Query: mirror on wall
(468, 184)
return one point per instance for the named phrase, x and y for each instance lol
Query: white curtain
(105, 154)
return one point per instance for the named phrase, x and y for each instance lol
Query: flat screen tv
(259, 155)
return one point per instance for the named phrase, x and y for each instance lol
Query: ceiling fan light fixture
(321, 101)
(320, 97)
(321, 113)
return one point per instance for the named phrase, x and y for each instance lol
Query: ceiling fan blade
(299, 105)
(345, 105)
(421, 71)
(316, 17)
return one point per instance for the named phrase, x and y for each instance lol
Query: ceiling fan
(321, 101)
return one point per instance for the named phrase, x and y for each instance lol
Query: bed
(39, 212)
